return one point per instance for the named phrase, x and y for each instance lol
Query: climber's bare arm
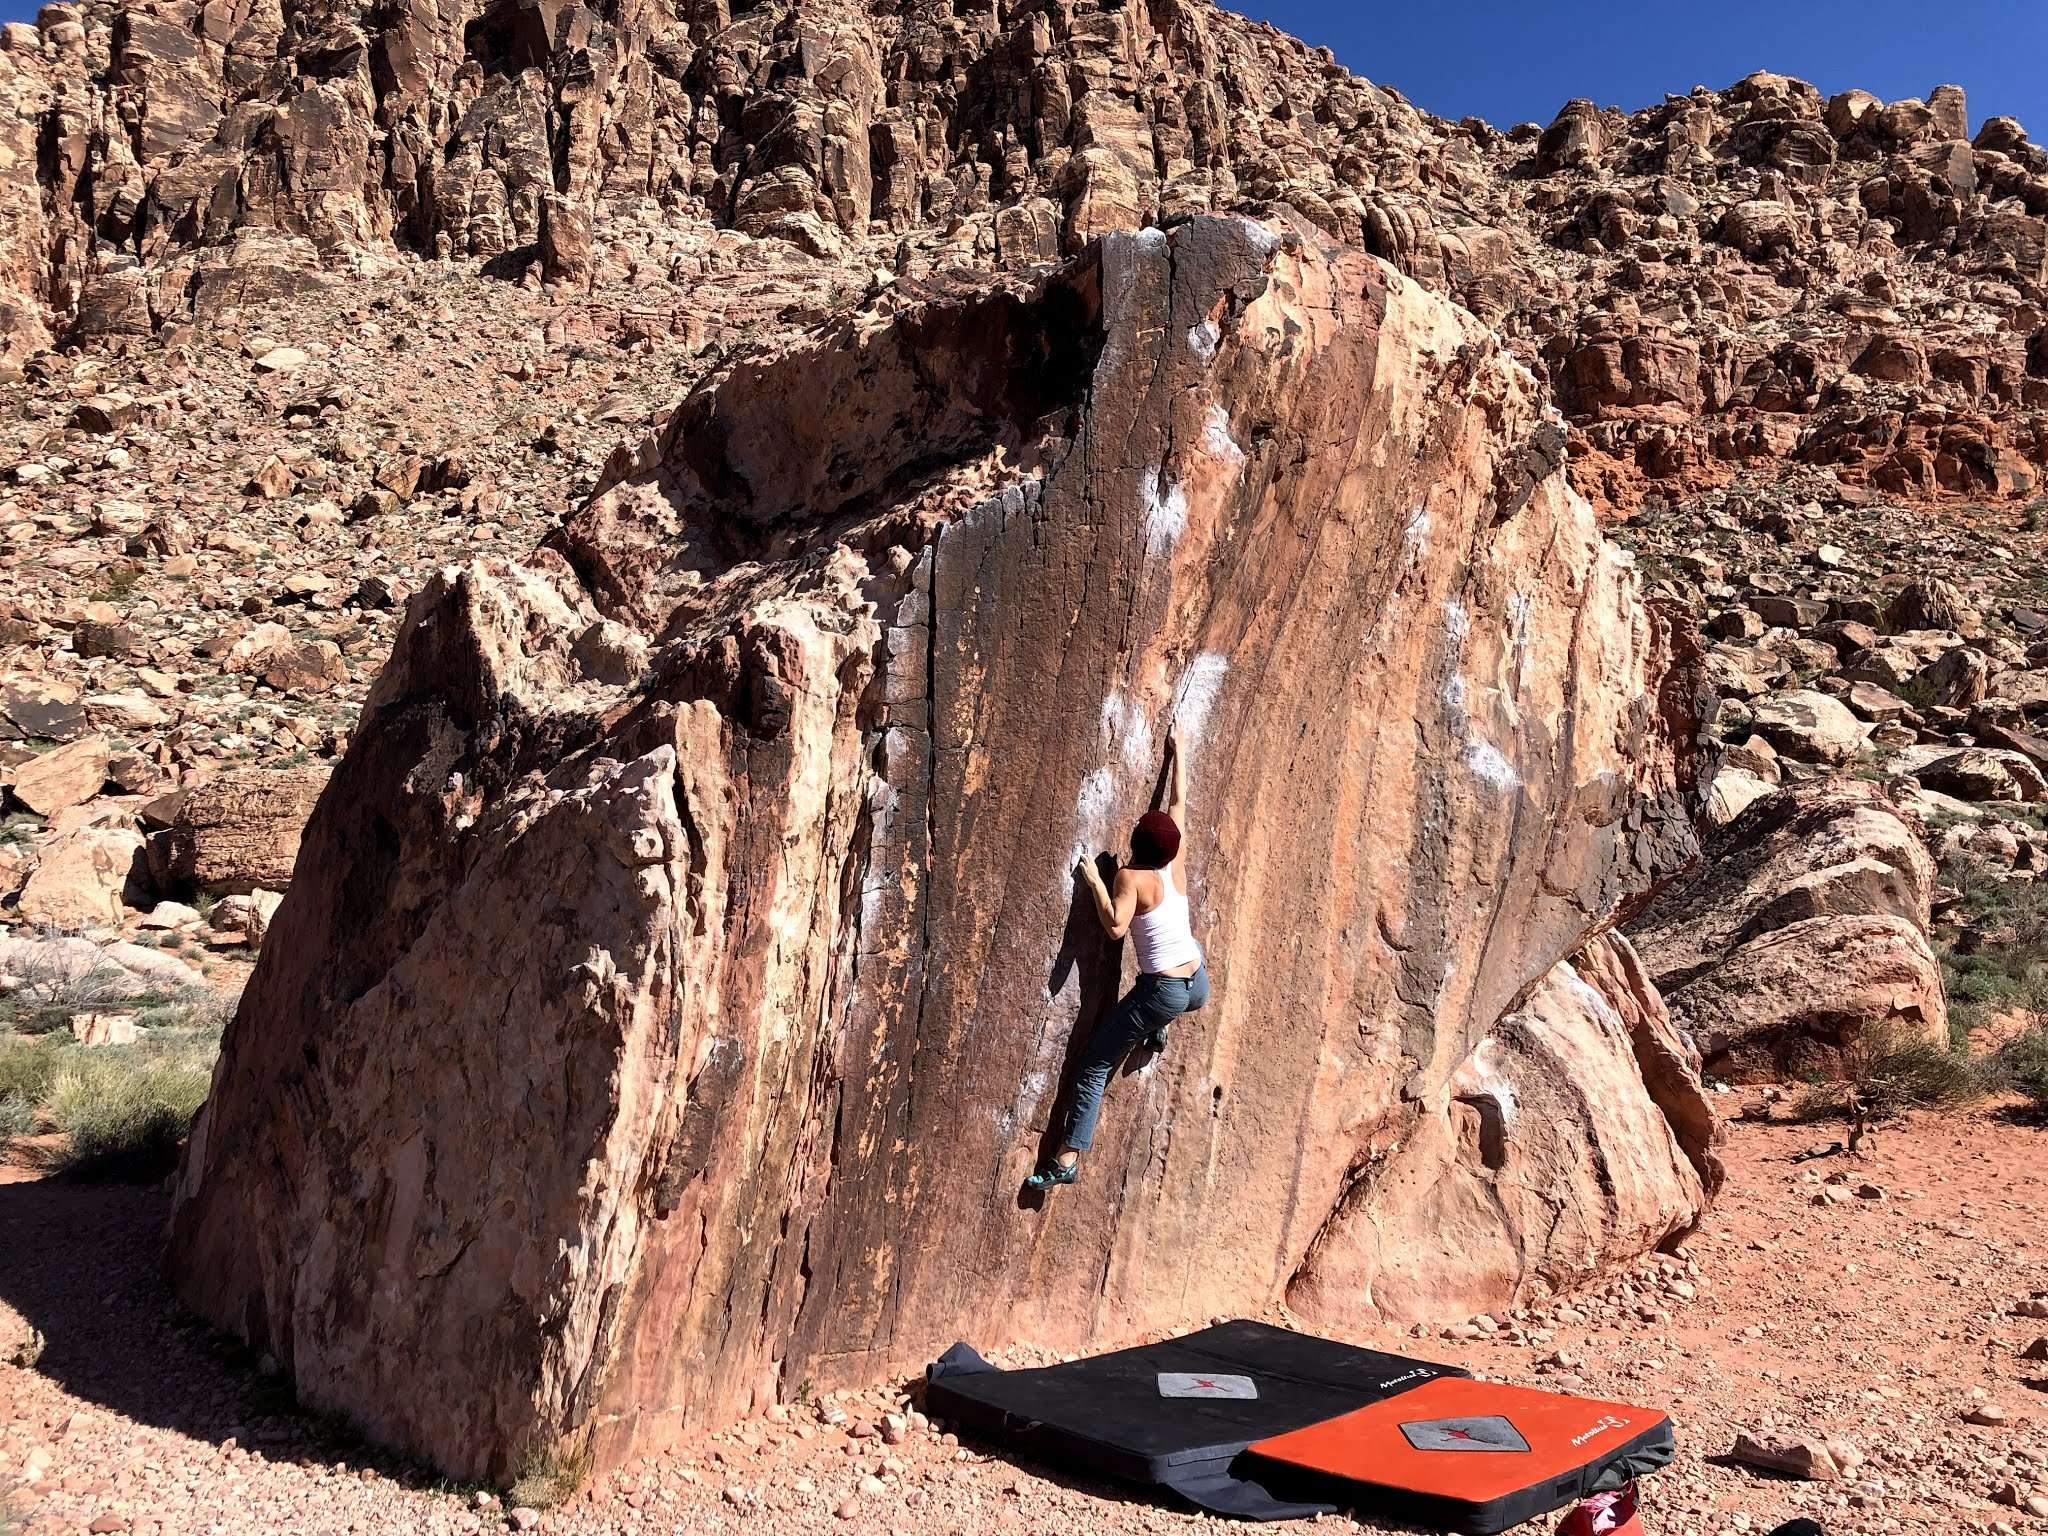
(1177, 777)
(1115, 909)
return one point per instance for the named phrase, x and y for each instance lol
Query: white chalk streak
(1200, 688)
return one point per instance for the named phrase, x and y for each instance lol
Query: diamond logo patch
(1485, 1432)
(1191, 1384)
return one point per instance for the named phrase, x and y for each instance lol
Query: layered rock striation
(681, 969)
(1804, 928)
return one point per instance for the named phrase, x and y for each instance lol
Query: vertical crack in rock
(738, 1104)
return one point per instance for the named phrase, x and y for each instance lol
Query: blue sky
(1520, 62)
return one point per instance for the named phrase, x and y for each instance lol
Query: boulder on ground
(42, 708)
(1928, 602)
(82, 879)
(237, 832)
(1796, 1000)
(68, 966)
(64, 776)
(1977, 774)
(1804, 924)
(1811, 1460)
(1810, 726)
(607, 1009)
(98, 1027)
(246, 918)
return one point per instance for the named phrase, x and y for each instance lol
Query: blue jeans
(1152, 1003)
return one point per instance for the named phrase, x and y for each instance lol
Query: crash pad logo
(1487, 1432)
(1189, 1384)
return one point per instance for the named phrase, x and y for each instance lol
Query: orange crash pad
(1476, 1456)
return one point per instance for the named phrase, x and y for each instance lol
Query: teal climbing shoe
(1058, 1173)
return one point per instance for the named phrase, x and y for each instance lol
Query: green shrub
(123, 1118)
(123, 1109)
(27, 1068)
(17, 1118)
(1920, 1074)
(2013, 913)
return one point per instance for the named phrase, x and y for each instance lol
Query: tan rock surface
(79, 880)
(1805, 923)
(604, 1014)
(62, 777)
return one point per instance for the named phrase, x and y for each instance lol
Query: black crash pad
(1179, 1414)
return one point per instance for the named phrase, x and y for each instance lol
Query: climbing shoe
(1605, 1514)
(1058, 1173)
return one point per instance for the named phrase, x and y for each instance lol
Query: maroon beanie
(1155, 841)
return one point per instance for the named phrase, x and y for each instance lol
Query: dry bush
(2024, 1064)
(1890, 1070)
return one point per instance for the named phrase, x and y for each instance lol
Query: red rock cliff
(679, 972)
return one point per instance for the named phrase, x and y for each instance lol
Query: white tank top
(1165, 940)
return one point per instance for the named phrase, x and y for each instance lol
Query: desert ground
(1871, 1302)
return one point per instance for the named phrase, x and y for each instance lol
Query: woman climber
(1150, 903)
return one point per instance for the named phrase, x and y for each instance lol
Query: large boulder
(238, 832)
(636, 1046)
(64, 776)
(50, 966)
(1547, 1128)
(80, 879)
(1805, 924)
(1811, 726)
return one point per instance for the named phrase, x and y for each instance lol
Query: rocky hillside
(1730, 278)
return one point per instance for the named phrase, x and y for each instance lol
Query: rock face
(683, 963)
(1805, 924)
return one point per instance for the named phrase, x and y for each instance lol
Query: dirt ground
(1881, 1314)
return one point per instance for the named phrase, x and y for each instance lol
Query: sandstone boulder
(102, 1028)
(244, 917)
(1927, 602)
(1810, 726)
(1733, 791)
(63, 777)
(1806, 1459)
(238, 832)
(81, 879)
(72, 966)
(49, 710)
(1805, 924)
(1956, 679)
(630, 1052)
(1978, 774)
(1549, 1114)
